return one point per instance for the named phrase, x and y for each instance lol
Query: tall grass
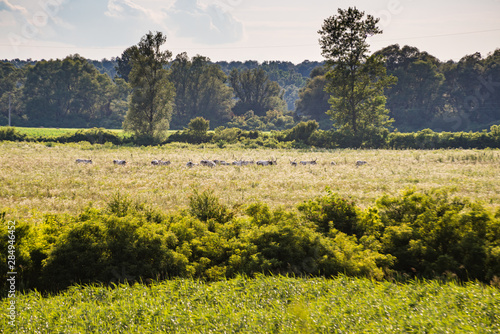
(45, 177)
(264, 305)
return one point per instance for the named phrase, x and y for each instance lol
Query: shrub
(206, 206)
(199, 125)
(331, 211)
(431, 234)
(10, 133)
(93, 136)
(302, 131)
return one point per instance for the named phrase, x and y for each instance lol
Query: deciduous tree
(255, 91)
(356, 81)
(201, 90)
(150, 106)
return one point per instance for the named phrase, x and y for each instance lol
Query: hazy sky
(238, 29)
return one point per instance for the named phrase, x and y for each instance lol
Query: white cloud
(5, 5)
(129, 9)
(204, 24)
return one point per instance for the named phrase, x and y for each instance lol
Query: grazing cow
(221, 162)
(243, 162)
(247, 162)
(160, 163)
(310, 162)
(333, 163)
(191, 164)
(267, 162)
(207, 163)
(361, 162)
(83, 161)
(293, 163)
(119, 162)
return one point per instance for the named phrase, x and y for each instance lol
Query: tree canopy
(201, 90)
(256, 92)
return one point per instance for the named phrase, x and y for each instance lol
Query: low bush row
(304, 134)
(414, 234)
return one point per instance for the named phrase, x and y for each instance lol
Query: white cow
(83, 161)
(310, 162)
(119, 162)
(191, 164)
(247, 162)
(160, 163)
(221, 162)
(267, 162)
(207, 163)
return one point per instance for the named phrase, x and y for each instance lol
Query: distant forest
(274, 95)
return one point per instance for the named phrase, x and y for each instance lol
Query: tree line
(356, 93)
(79, 93)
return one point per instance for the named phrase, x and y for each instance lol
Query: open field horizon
(44, 178)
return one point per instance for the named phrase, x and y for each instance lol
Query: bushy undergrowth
(302, 135)
(414, 234)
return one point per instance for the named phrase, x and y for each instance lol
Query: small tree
(199, 125)
(355, 80)
(150, 108)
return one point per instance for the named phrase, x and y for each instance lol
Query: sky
(262, 30)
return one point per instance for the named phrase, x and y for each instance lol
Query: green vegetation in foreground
(263, 305)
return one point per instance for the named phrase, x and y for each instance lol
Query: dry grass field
(44, 178)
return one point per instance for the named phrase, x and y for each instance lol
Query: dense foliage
(414, 235)
(201, 90)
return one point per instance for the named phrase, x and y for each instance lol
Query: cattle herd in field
(214, 163)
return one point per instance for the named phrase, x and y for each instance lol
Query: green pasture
(52, 132)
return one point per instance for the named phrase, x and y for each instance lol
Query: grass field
(264, 305)
(51, 132)
(44, 177)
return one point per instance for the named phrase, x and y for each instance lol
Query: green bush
(10, 133)
(301, 132)
(206, 206)
(331, 212)
(93, 136)
(432, 234)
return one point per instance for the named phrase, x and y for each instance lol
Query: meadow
(52, 132)
(264, 305)
(43, 177)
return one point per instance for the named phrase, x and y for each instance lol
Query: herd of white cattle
(214, 163)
